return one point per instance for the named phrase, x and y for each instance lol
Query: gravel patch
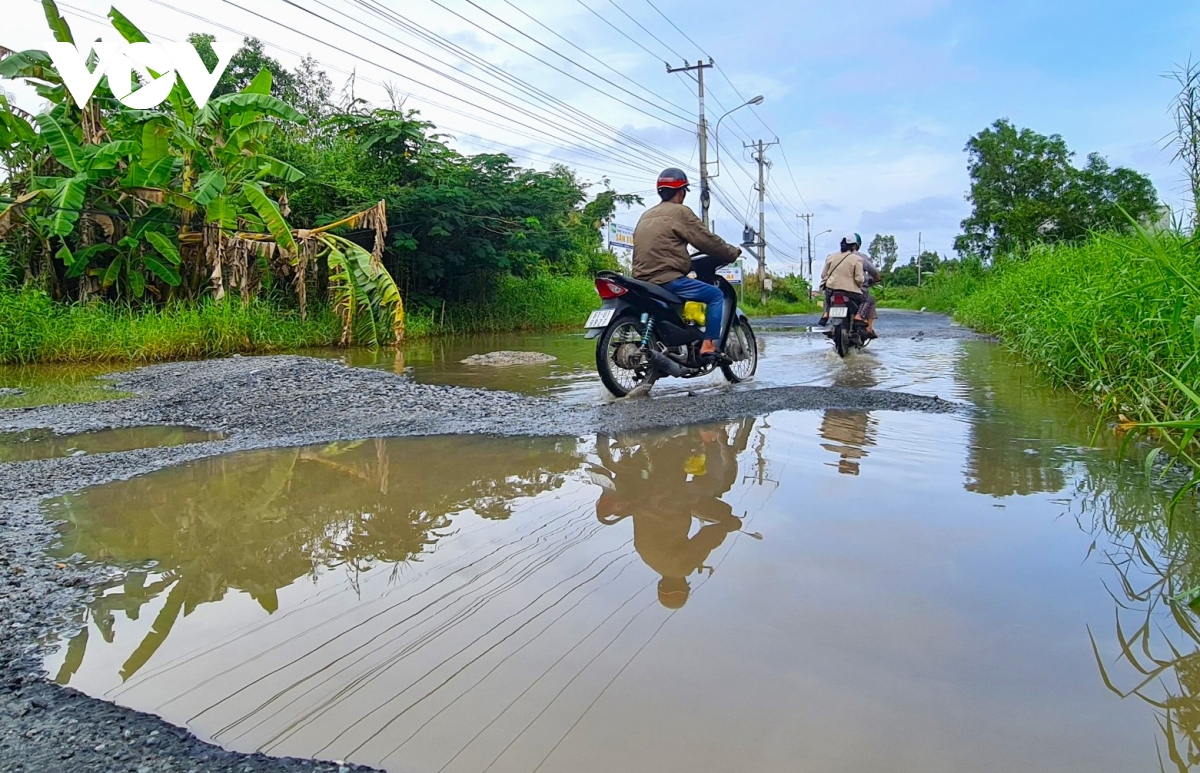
(256, 403)
(503, 359)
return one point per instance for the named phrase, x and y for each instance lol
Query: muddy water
(40, 444)
(24, 386)
(835, 591)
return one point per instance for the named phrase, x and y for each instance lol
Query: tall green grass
(36, 329)
(1116, 318)
(544, 303)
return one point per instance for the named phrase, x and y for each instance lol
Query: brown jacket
(844, 271)
(660, 243)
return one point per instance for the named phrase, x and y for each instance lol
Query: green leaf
(255, 131)
(1196, 331)
(65, 256)
(273, 167)
(83, 259)
(66, 150)
(165, 247)
(106, 156)
(261, 103)
(67, 203)
(34, 65)
(112, 273)
(58, 25)
(154, 142)
(164, 271)
(273, 219)
(210, 185)
(1151, 458)
(261, 84)
(221, 212)
(128, 29)
(156, 175)
(137, 282)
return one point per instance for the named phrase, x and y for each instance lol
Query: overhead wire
(739, 94)
(629, 155)
(397, 19)
(521, 130)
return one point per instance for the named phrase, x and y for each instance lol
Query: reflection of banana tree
(259, 521)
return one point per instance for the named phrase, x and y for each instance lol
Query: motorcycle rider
(660, 253)
(846, 271)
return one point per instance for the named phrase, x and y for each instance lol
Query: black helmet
(673, 180)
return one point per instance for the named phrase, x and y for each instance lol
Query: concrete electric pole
(760, 156)
(812, 285)
(702, 130)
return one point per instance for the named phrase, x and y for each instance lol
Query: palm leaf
(83, 259)
(164, 271)
(273, 219)
(8, 214)
(154, 142)
(62, 144)
(165, 247)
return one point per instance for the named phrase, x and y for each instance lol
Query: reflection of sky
(890, 621)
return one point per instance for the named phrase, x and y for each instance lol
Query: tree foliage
(1025, 189)
(884, 252)
(146, 206)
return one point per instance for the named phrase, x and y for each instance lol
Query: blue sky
(873, 100)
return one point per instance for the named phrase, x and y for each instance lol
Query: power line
(582, 138)
(540, 94)
(588, 54)
(566, 58)
(627, 15)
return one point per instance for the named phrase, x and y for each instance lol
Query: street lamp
(812, 279)
(717, 132)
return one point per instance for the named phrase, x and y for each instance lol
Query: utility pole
(702, 130)
(812, 285)
(761, 157)
(919, 261)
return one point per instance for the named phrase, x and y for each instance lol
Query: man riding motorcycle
(850, 272)
(660, 253)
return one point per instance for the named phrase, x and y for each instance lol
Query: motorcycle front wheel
(618, 356)
(742, 346)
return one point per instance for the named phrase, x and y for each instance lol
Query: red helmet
(673, 179)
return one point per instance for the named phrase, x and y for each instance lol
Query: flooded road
(33, 445)
(818, 591)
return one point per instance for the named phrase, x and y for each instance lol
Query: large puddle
(44, 444)
(827, 591)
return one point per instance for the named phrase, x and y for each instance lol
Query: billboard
(620, 236)
(732, 272)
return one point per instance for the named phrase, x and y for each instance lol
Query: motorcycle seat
(658, 291)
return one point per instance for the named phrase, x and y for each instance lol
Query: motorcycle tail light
(609, 290)
(839, 299)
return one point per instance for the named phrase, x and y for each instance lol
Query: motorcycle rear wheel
(841, 339)
(625, 330)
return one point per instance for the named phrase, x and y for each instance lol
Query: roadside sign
(619, 236)
(732, 273)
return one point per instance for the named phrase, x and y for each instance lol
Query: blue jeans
(695, 290)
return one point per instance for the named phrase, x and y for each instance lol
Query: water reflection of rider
(664, 484)
(851, 432)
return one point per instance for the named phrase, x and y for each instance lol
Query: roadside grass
(1116, 318)
(545, 303)
(36, 329)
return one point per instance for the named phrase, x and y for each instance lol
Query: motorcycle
(644, 333)
(847, 333)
